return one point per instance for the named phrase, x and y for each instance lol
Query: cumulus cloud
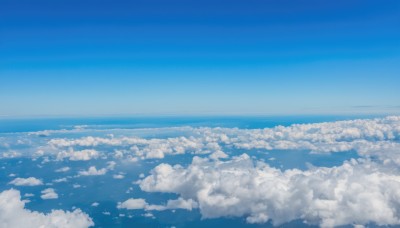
(217, 155)
(93, 171)
(81, 155)
(13, 214)
(141, 204)
(357, 192)
(49, 193)
(365, 136)
(133, 204)
(30, 181)
(139, 147)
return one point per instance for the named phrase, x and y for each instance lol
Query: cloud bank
(368, 137)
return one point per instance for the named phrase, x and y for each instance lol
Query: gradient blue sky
(84, 57)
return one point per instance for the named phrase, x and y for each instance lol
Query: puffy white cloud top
(82, 155)
(49, 193)
(13, 214)
(357, 192)
(220, 184)
(137, 204)
(93, 171)
(30, 181)
(366, 136)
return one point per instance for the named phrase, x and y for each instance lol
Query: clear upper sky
(84, 57)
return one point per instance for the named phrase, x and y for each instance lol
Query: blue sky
(199, 57)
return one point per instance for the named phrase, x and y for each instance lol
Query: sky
(156, 57)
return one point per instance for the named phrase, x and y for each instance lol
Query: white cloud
(133, 204)
(60, 180)
(81, 155)
(92, 171)
(13, 214)
(30, 181)
(141, 204)
(361, 135)
(76, 185)
(95, 204)
(49, 193)
(358, 192)
(181, 203)
(217, 155)
(118, 176)
(63, 169)
(111, 165)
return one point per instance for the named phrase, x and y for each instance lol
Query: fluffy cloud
(133, 204)
(13, 214)
(30, 181)
(141, 204)
(358, 192)
(92, 171)
(82, 155)
(366, 136)
(49, 193)
(139, 147)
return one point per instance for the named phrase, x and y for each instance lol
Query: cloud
(63, 169)
(82, 155)
(92, 171)
(49, 193)
(357, 192)
(139, 147)
(30, 181)
(118, 176)
(217, 155)
(133, 204)
(13, 214)
(364, 136)
(141, 204)
(64, 179)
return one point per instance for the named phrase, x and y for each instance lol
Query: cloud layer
(221, 183)
(368, 137)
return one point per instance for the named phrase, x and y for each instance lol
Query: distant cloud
(141, 204)
(30, 181)
(82, 155)
(133, 204)
(118, 176)
(49, 193)
(63, 169)
(13, 214)
(60, 180)
(365, 136)
(92, 171)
